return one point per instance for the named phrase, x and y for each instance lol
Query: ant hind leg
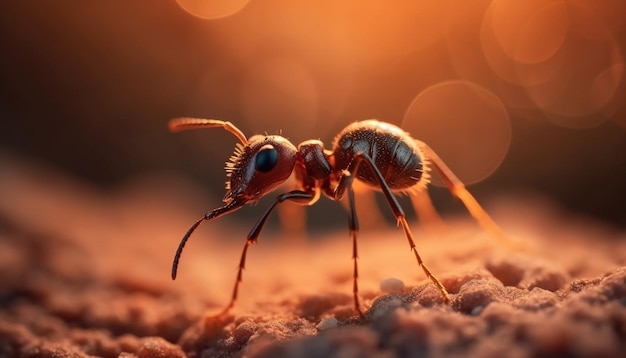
(397, 211)
(457, 188)
(345, 183)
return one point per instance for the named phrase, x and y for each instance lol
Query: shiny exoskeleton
(376, 153)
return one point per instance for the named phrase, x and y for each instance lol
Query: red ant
(377, 153)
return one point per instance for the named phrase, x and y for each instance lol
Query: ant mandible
(379, 154)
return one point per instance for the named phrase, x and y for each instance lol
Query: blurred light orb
(529, 31)
(212, 9)
(466, 124)
(280, 93)
(563, 55)
(524, 49)
(590, 76)
(606, 84)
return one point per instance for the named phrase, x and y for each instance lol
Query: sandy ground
(86, 273)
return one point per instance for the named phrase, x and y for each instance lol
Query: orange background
(517, 97)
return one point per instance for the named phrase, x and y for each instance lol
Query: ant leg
(298, 196)
(423, 206)
(354, 229)
(242, 263)
(397, 211)
(457, 188)
(353, 222)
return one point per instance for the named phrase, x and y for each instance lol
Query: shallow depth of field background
(520, 98)
(524, 100)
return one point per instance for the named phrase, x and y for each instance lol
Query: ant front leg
(346, 183)
(298, 196)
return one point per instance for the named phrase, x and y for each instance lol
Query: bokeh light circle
(589, 77)
(562, 55)
(279, 93)
(529, 31)
(212, 9)
(466, 124)
(512, 52)
(609, 92)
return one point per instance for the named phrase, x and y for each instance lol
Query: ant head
(259, 167)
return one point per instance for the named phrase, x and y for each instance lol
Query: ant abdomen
(394, 152)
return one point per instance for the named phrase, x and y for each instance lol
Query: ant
(380, 154)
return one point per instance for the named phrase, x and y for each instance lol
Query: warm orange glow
(508, 58)
(529, 31)
(279, 93)
(97, 197)
(468, 115)
(570, 80)
(212, 9)
(305, 61)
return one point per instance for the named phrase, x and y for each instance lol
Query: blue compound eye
(266, 159)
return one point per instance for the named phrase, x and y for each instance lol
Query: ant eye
(266, 158)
